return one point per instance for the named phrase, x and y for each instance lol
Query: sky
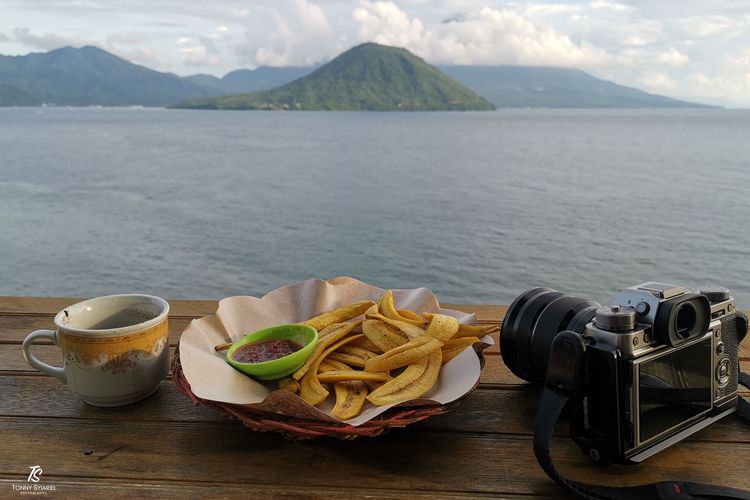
(689, 49)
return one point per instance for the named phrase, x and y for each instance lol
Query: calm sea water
(476, 206)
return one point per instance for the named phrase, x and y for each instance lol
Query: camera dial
(615, 318)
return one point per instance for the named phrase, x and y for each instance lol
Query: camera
(657, 365)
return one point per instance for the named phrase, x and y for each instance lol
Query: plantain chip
(388, 309)
(289, 384)
(349, 359)
(410, 387)
(408, 329)
(357, 351)
(337, 331)
(344, 313)
(350, 398)
(407, 314)
(454, 347)
(403, 355)
(343, 375)
(475, 330)
(310, 388)
(366, 343)
(441, 327)
(381, 336)
(329, 364)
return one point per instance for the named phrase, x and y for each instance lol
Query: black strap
(551, 406)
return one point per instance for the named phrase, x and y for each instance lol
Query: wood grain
(203, 451)
(166, 447)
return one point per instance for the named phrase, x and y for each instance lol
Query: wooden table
(167, 447)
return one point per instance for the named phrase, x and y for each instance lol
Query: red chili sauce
(265, 350)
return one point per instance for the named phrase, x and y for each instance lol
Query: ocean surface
(476, 206)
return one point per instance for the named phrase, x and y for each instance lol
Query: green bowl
(305, 335)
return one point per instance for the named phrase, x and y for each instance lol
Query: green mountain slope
(519, 87)
(92, 76)
(366, 77)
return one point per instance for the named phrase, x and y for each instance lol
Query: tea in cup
(115, 348)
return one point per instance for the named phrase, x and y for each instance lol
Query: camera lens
(686, 318)
(531, 323)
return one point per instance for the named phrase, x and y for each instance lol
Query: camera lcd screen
(674, 388)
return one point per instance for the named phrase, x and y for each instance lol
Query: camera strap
(560, 394)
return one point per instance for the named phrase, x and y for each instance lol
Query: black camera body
(659, 364)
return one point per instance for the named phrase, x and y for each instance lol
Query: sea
(476, 206)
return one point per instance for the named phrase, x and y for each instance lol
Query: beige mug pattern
(115, 348)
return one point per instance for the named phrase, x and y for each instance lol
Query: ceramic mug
(115, 348)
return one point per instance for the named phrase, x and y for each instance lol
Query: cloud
(293, 33)
(205, 53)
(120, 44)
(672, 58)
(485, 36)
(657, 81)
(49, 41)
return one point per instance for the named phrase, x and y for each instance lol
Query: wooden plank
(123, 489)
(403, 460)
(484, 411)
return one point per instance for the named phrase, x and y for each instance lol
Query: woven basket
(296, 428)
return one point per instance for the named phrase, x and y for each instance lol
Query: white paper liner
(211, 377)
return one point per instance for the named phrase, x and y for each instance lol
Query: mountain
(89, 76)
(92, 76)
(251, 80)
(519, 86)
(366, 77)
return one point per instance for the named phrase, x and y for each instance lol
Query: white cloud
(294, 32)
(657, 82)
(672, 58)
(486, 36)
(49, 41)
(205, 53)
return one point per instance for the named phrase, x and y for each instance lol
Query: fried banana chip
(289, 384)
(310, 388)
(408, 329)
(403, 355)
(349, 359)
(350, 398)
(408, 314)
(365, 354)
(454, 347)
(366, 343)
(328, 365)
(441, 327)
(343, 375)
(381, 336)
(344, 313)
(414, 382)
(338, 332)
(386, 308)
(475, 330)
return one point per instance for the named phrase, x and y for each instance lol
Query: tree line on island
(366, 77)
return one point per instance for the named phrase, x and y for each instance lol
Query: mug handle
(58, 373)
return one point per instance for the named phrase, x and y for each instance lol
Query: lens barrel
(531, 323)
